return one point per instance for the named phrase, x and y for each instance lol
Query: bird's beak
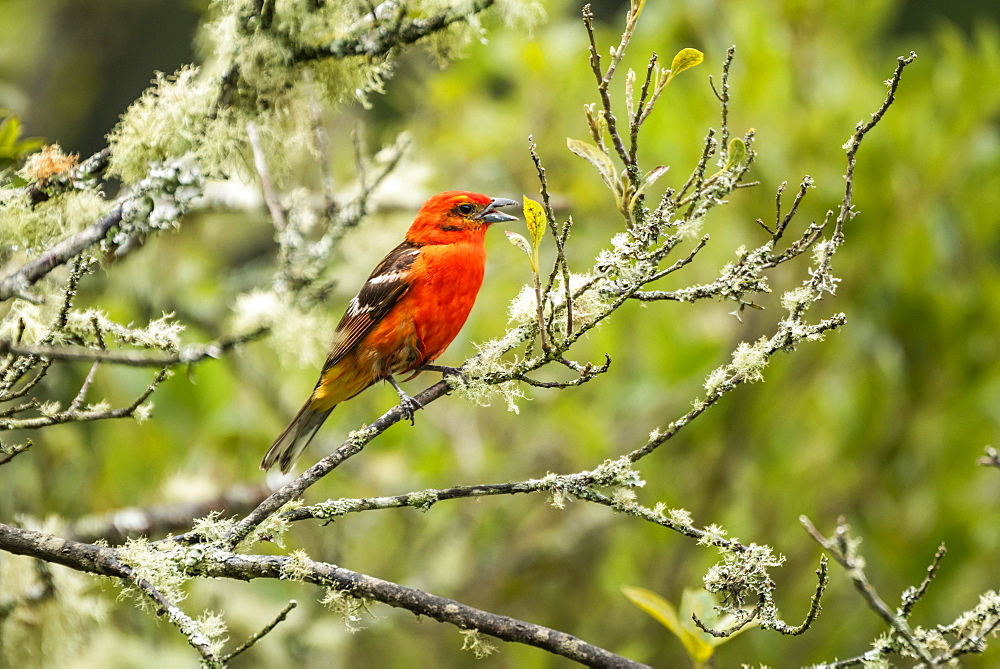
(491, 215)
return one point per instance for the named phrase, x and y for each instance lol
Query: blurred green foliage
(14, 147)
(882, 423)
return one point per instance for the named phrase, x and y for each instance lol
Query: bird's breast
(443, 294)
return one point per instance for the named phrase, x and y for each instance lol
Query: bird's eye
(465, 209)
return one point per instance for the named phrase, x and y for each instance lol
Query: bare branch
(280, 618)
(913, 595)
(266, 184)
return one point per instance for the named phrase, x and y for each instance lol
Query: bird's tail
(289, 445)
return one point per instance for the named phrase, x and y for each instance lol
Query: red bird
(405, 316)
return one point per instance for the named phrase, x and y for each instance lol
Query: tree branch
(843, 549)
(385, 39)
(349, 448)
(18, 283)
(105, 561)
(186, 355)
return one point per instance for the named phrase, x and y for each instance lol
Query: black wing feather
(388, 282)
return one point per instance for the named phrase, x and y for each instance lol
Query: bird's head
(456, 215)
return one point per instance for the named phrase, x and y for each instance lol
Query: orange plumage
(405, 315)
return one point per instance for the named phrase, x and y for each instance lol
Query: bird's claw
(409, 407)
(446, 371)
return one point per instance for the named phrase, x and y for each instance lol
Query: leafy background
(882, 423)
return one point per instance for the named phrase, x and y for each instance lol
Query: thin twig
(721, 634)
(246, 645)
(815, 607)
(8, 453)
(186, 355)
(840, 549)
(266, 184)
(913, 595)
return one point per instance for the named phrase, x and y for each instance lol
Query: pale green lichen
(332, 509)
(362, 436)
(159, 568)
(489, 363)
(795, 300)
(296, 567)
(159, 200)
(680, 517)
(750, 360)
(423, 500)
(558, 498)
(142, 412)
(623, 498)
(477, 644)
(212, 626)
(718, 376)
(522, 310)
(27, 228)
(169, 120)
(35, 318)
(742, 573)
(348, 607)
(273, 529)
(713, 535)
(213, 527)
(613, 473)
(161, 333)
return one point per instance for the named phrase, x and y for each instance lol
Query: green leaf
(737, 154)
(534, 218)
(684, 60)
(9, 130)
(664, 612)
(650, 179)
(13, 149)
(520, 242)
(595, 157)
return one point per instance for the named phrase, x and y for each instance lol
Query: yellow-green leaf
(595, 157)
(737, 154)
(534, 218)
(651, 178)
(519, 241)
(664, 612)
(684, 60)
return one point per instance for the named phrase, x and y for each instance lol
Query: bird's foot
(407, 404)
(445, 371)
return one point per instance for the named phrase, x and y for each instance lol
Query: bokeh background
(882, 423)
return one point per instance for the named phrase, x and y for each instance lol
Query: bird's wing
(388, 282)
